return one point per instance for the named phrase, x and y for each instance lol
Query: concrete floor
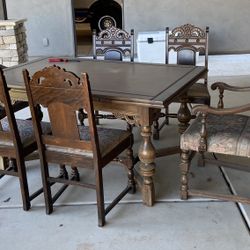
(171, 224)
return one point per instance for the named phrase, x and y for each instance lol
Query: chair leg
(75, 174)
(46, 187)
(130, 166)
(129, 127)
(97, 120)
(100, 197)
(201, 160)
(166, 115)
(20, 164)
(63, 172)
(184, 166)
(156, 131)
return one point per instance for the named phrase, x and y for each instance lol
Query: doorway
(94, 14)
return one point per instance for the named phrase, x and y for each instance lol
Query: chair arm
(223, 86)
(204, 109)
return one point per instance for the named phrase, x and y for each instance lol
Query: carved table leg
(184, 115)
(147, 166)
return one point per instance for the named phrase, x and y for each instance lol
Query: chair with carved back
(63, 93)
(17, 144)
(221, 132)
(113, 44)
(187, 42)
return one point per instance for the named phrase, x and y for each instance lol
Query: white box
(151, 46)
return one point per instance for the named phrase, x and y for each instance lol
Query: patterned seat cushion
(25, 129)
(228, 134)
(108, 140)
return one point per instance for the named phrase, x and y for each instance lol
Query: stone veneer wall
(13, 46)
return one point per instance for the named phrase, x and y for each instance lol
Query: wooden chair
(187, 41)
(17, 143)
(216, 131)
(114, 44)
(63, 93)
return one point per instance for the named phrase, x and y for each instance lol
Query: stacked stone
(13, 46)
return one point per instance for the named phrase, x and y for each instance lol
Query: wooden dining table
(135, 92)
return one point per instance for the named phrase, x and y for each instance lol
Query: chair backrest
(114, 42)
(63, 94)
(187, 40)
(12, 136)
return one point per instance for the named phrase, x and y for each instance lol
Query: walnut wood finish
(186, 40)
(113, 43)
(12, 148)
(135, 92)
(63, 93)
(186, 155)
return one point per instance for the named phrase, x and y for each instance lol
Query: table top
(153, 85)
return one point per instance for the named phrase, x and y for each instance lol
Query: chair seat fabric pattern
(108, 140)
(25, 129)
(227, 134)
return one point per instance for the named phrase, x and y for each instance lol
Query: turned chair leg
(130, 166)
(166, 115)
(97, 120)
(63, 172)
(156, 131)
(75, 174)
(184, 166)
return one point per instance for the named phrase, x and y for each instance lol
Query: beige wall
(229, 20)
(46, 19)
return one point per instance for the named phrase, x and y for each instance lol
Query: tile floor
(171, 224)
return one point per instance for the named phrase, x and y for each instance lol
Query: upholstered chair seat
(25, 129)
(228, 134)
(108, 141)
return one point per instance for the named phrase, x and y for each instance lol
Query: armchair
(216, 131)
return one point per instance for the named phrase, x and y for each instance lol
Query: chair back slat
(113, 39)
(63, 93)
